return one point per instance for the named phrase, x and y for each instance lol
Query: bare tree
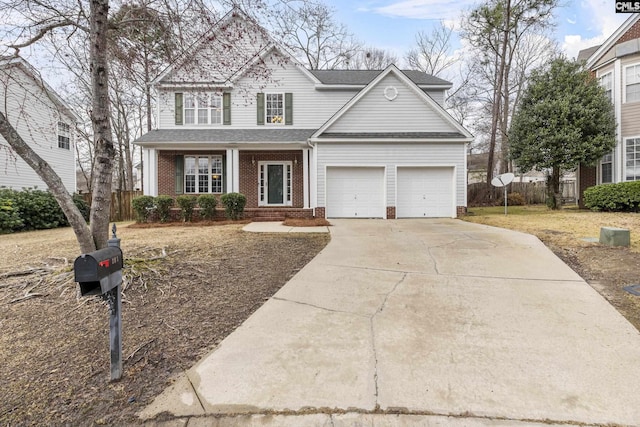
(371, 58)
(495, 30)
(432, 53)
(313, 35)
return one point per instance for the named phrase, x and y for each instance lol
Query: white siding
(392, 155)
(408, 112)
(437, 96)
(311, 107)
(35, 116)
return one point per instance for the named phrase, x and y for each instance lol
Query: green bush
(9, 218)
(514, 199)
(187, 205)
(163, 206)
(207, 203)
(142, 206)
(620, 197)
(82, 206)
(38, 209)
(234, 204)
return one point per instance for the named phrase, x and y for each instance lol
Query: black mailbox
(98, 272)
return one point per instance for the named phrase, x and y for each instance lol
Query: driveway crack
(373, 337)
(318, 307)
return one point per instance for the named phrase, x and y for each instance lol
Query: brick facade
(461, 210)
(249, 174)
(320, 213)
(167, 168)
(391, 212)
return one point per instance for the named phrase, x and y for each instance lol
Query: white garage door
(355, 192)
(425, 192)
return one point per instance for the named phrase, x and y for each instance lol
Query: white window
(632, 156)
(606, 169)
(274, 108)
(202, 174)
(632, 83)
(64, 135)
(606, 81)
(202, 109)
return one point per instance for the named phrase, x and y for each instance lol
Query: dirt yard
(186, 289)
(606, 269)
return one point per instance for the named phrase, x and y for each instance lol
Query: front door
(274, 184)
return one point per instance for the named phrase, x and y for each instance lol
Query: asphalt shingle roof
(364, 77)
(226, 135)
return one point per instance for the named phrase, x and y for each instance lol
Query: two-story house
(42, 119)
(616, 63)
(239, 114)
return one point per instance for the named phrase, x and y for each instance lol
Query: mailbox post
(100, 273)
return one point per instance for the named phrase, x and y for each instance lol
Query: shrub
(187, 205)
(207, 203)
(38, 209)
(163, 206)
(234, 204)
(514, 199)
(143, 206)
(9, 218)
(620, 197)
(82, 206)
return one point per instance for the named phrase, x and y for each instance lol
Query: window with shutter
(260, 102)
(178, 108)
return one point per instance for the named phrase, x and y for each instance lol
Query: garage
(425, 192)
(355, 192)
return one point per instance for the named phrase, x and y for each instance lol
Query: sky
(393, 24)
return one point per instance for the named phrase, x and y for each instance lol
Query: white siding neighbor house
(42, 119)
(302, 143)
(616, 63)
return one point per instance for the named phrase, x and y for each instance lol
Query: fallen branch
(140, 348)
(26, 297)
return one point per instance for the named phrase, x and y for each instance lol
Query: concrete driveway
(421, 322)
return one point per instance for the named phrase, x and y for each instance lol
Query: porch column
(313, 178)
(618, 151)
(236, 169)
(229, 175)
(305, 176)
(150, 167)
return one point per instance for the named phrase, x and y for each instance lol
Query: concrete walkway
(421, 322)
(279, 227)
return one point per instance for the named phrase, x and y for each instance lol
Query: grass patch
(306, 222)
(568, 226)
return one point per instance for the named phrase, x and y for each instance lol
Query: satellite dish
(502, 180)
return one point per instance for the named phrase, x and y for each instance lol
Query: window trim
(624, 86)
(196, 98)
(64, 133)
(608, 162)
(266, 109)
(287, 183)
(637, 161)
(209, 174)
(611, 77)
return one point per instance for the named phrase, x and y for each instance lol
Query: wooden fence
(532, 192)
(121, 209)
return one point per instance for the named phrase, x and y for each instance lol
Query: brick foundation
(391, 212)
(461, 210)
(320, 213)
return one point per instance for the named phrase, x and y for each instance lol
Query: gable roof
(460, 131)
(232, 74)
(612, 40)
(364, 77)
(17, 61)
(224, 135)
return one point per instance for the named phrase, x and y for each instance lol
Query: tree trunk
(53, 181)
(104, 150)
(554, 196)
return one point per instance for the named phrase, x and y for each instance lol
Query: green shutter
(179, 174)
(288, 108)
(178, 107)
(226, 108)
(261, 108)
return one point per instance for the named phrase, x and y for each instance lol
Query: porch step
(267, 218)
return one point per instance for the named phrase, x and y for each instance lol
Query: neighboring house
(616, 63)
(42, 119)
(356, 144)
